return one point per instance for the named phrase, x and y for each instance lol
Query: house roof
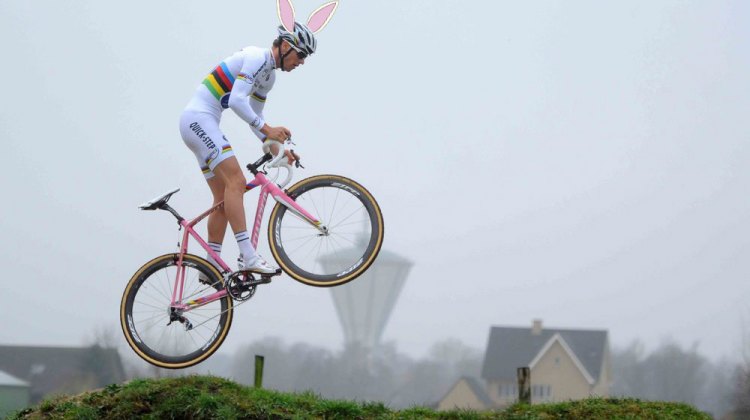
(478, 390)
(48, 369)
(7, 379)
(509, 348)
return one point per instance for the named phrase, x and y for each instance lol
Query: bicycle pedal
(270, 276)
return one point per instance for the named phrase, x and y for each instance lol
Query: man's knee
(237, 183)
(231, 175)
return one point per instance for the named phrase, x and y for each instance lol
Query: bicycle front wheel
(349, 246)
(165, 338)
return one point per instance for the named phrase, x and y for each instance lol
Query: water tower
(365, 304)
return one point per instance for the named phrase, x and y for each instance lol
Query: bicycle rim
(145, 313)
(353, 240)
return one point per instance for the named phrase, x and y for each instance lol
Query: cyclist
(240, 82)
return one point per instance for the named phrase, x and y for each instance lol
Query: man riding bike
(240, 82)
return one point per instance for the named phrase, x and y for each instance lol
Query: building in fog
(56, 370)
(565, 364)
(468, 393)
(14, 394)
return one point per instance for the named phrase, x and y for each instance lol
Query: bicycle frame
(267, 187)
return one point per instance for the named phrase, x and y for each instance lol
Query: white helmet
(302, 39)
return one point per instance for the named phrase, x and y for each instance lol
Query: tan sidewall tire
(123, 316)
(354, 274)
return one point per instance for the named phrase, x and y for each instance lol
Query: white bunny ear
(320, 17)
(285, 9)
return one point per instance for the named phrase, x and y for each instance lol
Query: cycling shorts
(200, 132)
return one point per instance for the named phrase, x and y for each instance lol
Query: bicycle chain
(257, 283)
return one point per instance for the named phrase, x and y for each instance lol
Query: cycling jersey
(240, 82)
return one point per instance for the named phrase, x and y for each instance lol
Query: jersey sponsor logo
(211, 156)
(259, 70)
(225, 101)
(196, 128)
(245, 78)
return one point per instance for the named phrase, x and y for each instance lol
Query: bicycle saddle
(158, 201)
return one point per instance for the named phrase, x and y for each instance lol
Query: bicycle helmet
(302, 38)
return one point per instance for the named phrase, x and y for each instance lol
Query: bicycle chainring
(241, 286)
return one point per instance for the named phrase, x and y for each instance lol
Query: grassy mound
(205, 397)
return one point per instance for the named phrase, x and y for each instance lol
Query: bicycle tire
(358, 257)
(139, 336)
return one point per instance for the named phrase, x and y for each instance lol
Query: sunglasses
(300, 54)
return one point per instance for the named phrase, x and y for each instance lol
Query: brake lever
(296, 159)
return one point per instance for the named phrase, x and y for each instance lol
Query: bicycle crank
(241, 285)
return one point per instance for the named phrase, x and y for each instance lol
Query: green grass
(205, 397)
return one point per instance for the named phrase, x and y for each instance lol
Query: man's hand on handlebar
(280, 134)
(290, 155)
(276, 133)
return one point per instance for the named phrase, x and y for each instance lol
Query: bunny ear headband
(317, 20)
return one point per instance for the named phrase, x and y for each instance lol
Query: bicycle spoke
(303, 244)
(344, 238)
(360, 222)
(334, 204)
(165, 335)
(287, 240)
(347, 217)
(317, 212)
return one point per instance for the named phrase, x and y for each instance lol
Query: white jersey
(240, 82)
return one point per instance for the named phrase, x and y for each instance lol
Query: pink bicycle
(323, 231)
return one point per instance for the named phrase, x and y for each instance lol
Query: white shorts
(200, 132)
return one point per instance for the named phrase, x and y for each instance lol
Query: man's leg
(217, 221)
(231, 175)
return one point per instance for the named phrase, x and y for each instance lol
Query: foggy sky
(582, 162)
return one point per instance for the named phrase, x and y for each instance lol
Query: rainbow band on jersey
(258, 97)
(220, 81)
(226, 148)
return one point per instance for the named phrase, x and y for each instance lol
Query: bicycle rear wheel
(149, 323)
(351, 244)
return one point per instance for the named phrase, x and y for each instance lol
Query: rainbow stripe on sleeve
(220, 81)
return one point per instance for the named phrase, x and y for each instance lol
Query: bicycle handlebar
(277, 161)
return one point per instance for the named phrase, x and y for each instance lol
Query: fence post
(258, 371)
(524, 385)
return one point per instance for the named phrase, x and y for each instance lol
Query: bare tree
(672, 373)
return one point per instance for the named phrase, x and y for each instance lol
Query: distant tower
(365, 304)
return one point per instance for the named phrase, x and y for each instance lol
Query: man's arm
(252, 66)
(257, 103)
(238, 99)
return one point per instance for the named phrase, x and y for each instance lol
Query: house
(56, 370)
(467, 393)
(565, 364)
(14, 394)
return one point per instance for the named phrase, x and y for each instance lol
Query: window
(541, 392)
(507, 390)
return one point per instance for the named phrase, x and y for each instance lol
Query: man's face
(294, 59)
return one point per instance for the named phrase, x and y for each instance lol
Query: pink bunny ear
(285, 9)
(320, 17)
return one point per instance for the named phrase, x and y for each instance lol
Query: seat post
(169, 208)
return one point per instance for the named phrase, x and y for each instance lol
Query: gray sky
(583, 162)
